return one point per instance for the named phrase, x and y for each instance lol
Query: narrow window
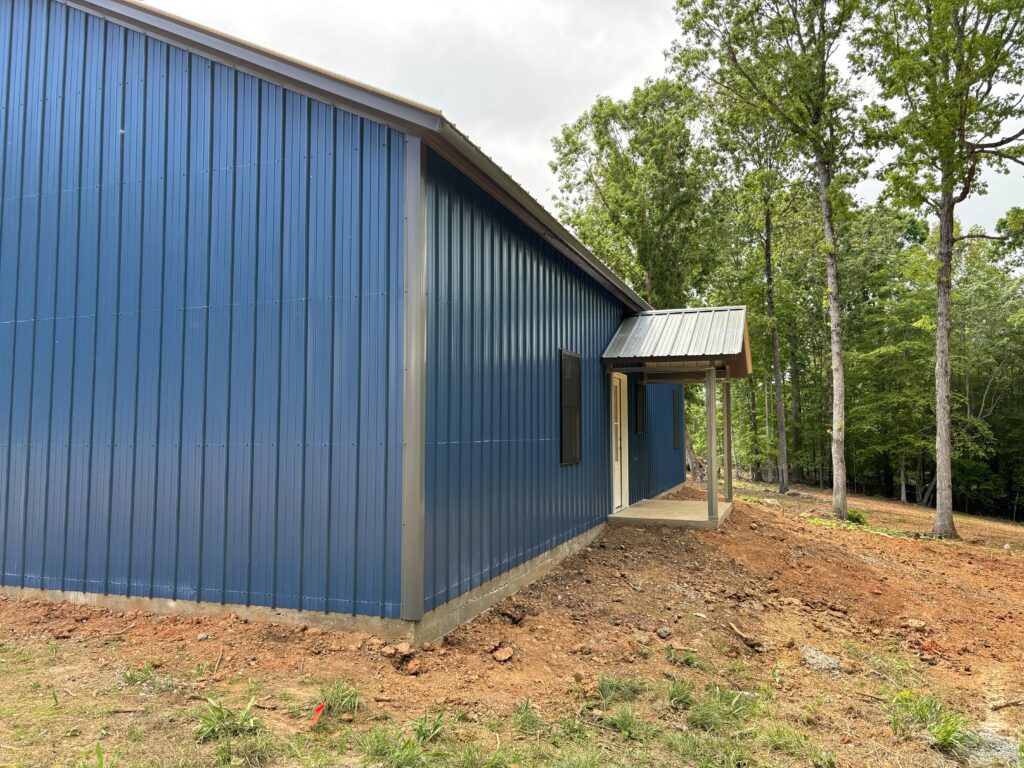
(640, 406)
(675, 418)
(571, 396)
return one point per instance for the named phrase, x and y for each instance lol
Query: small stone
(914, 624)
(503, 654)
(664, 633)
(820, 660)
(202, 636)
(753, 526)
(414, 667)
(346, 717)
(404, 649)
(1007, 547)
(388, 651)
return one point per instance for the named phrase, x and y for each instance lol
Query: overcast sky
(508, 73)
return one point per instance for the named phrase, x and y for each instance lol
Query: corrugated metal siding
(500, 305)
(200, 327)
(680, 333)
(655, 465)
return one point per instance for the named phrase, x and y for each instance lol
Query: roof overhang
(427, 123)
(680, 345)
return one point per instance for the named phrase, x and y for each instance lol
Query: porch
(709, 345)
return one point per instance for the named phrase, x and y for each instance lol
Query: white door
(620, 442)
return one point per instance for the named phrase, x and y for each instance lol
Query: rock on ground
(821, 661)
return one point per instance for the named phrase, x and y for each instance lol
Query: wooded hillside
(888, 338)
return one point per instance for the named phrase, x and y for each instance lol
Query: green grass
(526, 718)
(474, 756)
(722, 708)
(339, 698)
(947, 731)
(709, 750)
(218, 721)
(685, 658)
(856, 517)
(147, 678)
(613, 690)
(680, 694)
(394, 750)
(428, 728)
(629, 724)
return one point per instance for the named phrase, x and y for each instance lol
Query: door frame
(623, 498)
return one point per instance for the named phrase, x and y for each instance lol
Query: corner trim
(414, 389)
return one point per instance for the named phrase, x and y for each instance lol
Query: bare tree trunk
(794, 376)
(943, 321)
(836, 326)
(926, 497)
(780, 403)
(693, 463)
(755, 470)
(903, 483)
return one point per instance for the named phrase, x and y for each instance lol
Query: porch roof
(681, 344)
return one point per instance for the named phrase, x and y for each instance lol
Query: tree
(762, 168)
(781, 57)
(635, 187)
(950, 67)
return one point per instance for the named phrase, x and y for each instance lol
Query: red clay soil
(768, 585)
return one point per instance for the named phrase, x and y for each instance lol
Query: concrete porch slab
(671, 512)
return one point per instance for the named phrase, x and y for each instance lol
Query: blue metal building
(269, 337)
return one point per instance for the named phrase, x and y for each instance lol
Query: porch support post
(712, 440)
(727, 437)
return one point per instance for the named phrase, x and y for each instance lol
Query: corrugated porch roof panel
(679, 333)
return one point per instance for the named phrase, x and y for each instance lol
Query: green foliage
(680, 694)
(619, 689)
(339, 698)
(526, 718)
(686, 658)
(428, 728)
(629, 724)
(856, 517)
(390, 750)
(637, 189)
(949, 732)
(709, 750)
(217, 721)
(720, 708)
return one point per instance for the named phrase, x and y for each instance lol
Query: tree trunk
(836, 322)
(794, 427)
(903, 483)
(755, 469)
(943, 461)
(926, 497)
(693, 462)
(780, 403)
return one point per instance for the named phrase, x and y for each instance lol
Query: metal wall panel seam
(414, 386)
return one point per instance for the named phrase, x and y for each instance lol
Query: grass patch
(219, 722)
(390, 750)
(846, 525)
(427, 729)
(630, 725)
(790, 742)
(613, 690)
(721, 708)
(856, 517)
(588, 757)
(680, 694)
(710, 750)
(474, 756)
(685, 658)
(526, 718)
(949, 732)
(146, 677)
(339, 698)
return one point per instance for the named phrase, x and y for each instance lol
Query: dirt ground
(753, 607)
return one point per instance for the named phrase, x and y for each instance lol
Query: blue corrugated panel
(501, 304)
(200, 327)
(655, 462)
